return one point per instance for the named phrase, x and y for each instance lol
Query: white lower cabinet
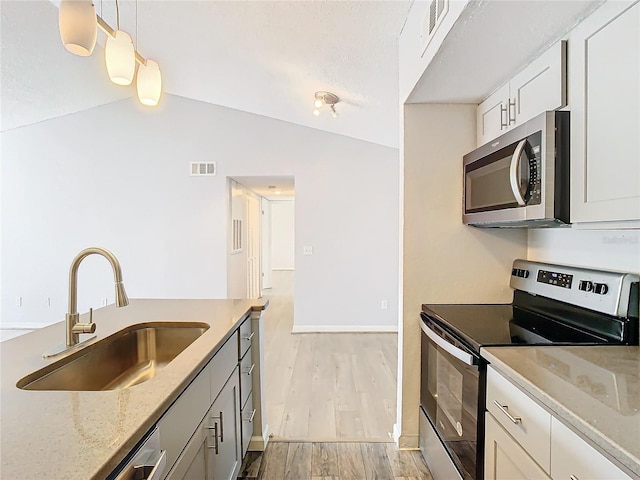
(505, 459)
(524, 441)
(574, 459)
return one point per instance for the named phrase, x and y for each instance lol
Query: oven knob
(525, 274)
(514, 272)
(585, 286)
(601, 288)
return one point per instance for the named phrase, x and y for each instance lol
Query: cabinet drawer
(222, 365)
(526, 421)
(246, 376)
(248, 413)
(246, 337)
(183, 417)
(573, 458)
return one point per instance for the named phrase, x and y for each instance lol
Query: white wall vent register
(435, 13)
(199, 169)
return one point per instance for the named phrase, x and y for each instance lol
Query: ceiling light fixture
(78, 22)
(325, 98)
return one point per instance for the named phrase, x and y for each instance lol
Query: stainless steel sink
(129, 357)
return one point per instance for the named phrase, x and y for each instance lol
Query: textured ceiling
(263, 57)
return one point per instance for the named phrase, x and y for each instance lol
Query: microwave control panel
(535, 167)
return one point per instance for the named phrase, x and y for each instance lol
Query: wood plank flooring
(340, 461)
(326, 387)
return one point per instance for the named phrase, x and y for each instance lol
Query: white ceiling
(263, 57)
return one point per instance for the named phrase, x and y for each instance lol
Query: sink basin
(129, 357)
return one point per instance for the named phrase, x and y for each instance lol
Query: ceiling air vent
(435, 13)
(199, 169)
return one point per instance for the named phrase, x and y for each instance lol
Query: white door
(254, 224)
(265, 252)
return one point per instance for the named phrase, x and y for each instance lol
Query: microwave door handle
(447, 347)
(513, 173)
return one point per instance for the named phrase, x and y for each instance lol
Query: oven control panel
(555, 278)
(613, 293)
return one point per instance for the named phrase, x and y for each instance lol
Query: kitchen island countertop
(81, 435)
(594, 390)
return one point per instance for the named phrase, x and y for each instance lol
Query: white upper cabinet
(604, 67)
(539, 87)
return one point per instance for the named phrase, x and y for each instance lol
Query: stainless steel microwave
(521, 179)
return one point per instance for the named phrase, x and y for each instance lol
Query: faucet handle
(85, 327)
(91, 316)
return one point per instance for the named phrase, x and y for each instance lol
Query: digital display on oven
(553, 278)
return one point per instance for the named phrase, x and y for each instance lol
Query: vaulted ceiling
(263, 57)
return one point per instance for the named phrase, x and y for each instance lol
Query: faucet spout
(72, 317)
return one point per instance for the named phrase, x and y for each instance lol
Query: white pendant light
(120, 57)
(77, 24)
(149, 83)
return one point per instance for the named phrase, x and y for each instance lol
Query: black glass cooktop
(529, 321)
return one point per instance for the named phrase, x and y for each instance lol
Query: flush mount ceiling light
(78, 22)
(325, 98)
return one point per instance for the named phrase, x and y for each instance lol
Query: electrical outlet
(103, 302)
(384, 305)
(18, 301)
(307, 250)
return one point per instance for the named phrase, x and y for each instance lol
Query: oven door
(450, 383)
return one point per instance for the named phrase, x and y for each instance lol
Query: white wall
(118, 176)
(444, 261)
(282, 235)
(605, 249)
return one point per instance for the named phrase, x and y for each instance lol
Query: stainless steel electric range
(552, 305)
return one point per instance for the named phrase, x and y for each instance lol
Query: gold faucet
(73, 327)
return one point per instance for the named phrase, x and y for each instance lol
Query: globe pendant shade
(78, 26)
(120, 57)
(149, 83)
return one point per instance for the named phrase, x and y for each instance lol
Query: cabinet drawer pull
(215, 438)
(250, 418)
(573, 477)
(503, 409)
(250, 369)
(249, 337)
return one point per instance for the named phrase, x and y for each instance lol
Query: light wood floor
(326, 387)
(340, 461)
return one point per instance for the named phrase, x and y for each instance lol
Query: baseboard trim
(344, 329)
(407, 442)
(258, 443)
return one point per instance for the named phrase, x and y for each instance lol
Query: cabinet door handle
(573, 477)
(221, 426)
(215, 438)
(503, 115)
(249, 337)
(250, 419)
(509, 117)
(503, 409)
(250, 369)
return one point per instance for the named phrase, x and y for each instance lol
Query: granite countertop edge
(606, 445)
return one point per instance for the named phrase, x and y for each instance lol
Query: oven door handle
(447, 347)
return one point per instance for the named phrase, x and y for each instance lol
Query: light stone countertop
(81, 435)
(593, 390)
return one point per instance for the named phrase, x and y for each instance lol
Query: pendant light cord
(117, 15)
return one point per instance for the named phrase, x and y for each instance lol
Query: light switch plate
(307, 250)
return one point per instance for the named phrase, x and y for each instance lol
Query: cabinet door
(192, 463)
(224, 420)
(504, 458)
(573, 458)
(491, 116)
(541, 86)
(604, 67)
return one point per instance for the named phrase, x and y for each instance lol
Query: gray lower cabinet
(224, 418)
